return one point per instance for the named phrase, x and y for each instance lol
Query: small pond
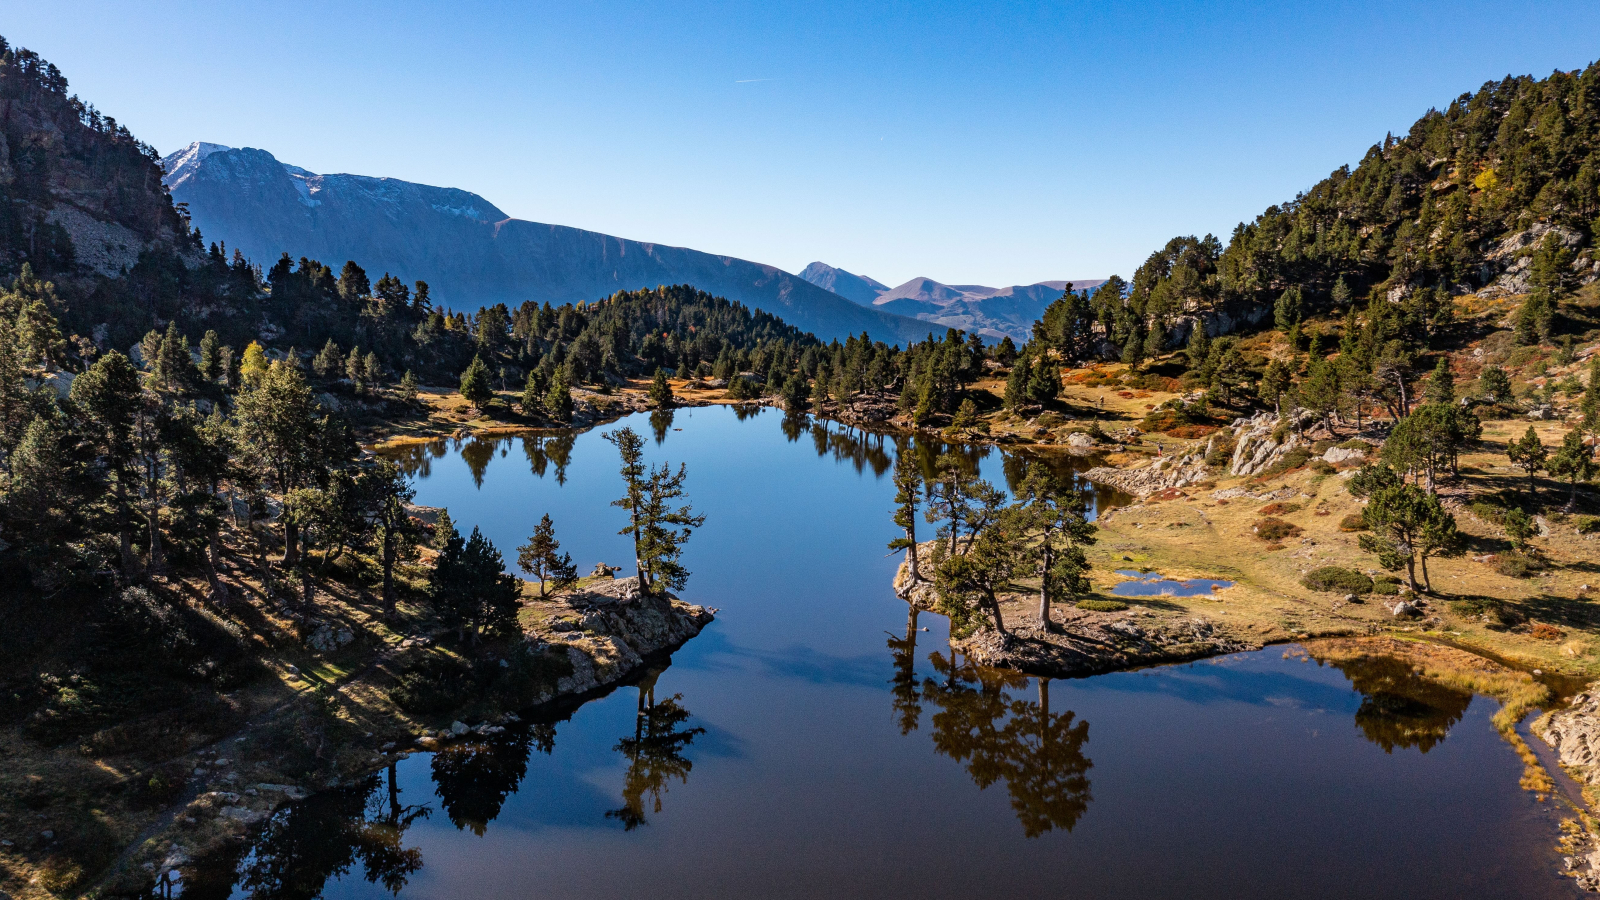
(1154, 584)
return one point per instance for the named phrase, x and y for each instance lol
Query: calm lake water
(808, 745)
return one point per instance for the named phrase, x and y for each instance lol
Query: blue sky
(992, 143)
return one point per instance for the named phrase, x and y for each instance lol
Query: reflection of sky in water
(1152, 584)
(838, 758)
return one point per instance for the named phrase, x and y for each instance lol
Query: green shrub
(1587, 524)
(1294, 459)
(1386, 585)
(1275, 530)
(1337, 580)
(1323, 467)
(1097, 605)
(1353, 522)
(1515, 564)
(1355, 444)
(1321, 447)
(1488, 512)
(436, 683)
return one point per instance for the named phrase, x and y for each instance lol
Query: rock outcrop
(1090, 644)
(1160, 474)
(1257, 445)
(1574, 734)
(612, 628)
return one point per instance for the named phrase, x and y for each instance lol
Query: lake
(816, 741)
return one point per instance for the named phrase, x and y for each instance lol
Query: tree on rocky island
(908, 496)
(475, 387)
(540, 558)
(961, 499)
(658, 529)
(1050, 509)
(969, 583)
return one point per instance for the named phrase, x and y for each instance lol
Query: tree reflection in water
(660, 424)
(654, 752)
(474, 778)
(1399, 708)
(544, 451)
(1001, 737)
(307, 843)
(907, 701)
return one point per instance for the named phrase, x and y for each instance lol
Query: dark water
(808, 744)
(1154, 584)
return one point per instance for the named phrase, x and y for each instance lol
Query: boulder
(1337, 455)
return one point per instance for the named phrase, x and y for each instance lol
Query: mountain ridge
(472, 253)
(992, 312)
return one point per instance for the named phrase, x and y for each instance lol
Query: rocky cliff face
(470, 252)
(991, 312)
(79, 195)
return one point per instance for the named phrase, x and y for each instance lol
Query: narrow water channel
(813, 742)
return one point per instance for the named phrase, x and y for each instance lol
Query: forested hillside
(1458, 205)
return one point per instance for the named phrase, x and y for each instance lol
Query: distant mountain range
(471, 253)
(992, 312)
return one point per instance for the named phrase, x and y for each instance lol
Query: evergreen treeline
(1420, 213)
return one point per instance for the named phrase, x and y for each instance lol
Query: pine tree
(1341, 294)
(1528, 454)
(540, 558)
(329, 362)
(1494, 385)
(109, 394)
(471, 589)
(353, 282)
(1049, 508)
(253, 367)
(210, 357)
(475, 387)
(1017, 382)
(1573, 462)
(558, 399)
(1044, 380)
(1199, 347)
(408, 387)
(532, 400)
(907, 498)
(372, 370)
(1275, 383)
(1441, 385)
(355, 369)
(661, 390)
(1408, 524)
(1287, 312)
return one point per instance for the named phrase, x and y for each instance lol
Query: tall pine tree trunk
(291, 541)
(219, 591)
(390, 550)
(1044, 585)
(130, 565)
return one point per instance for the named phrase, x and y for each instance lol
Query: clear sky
(990, 143)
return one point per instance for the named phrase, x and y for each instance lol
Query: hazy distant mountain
(470, 252)
(993, 312)
(859, 288)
